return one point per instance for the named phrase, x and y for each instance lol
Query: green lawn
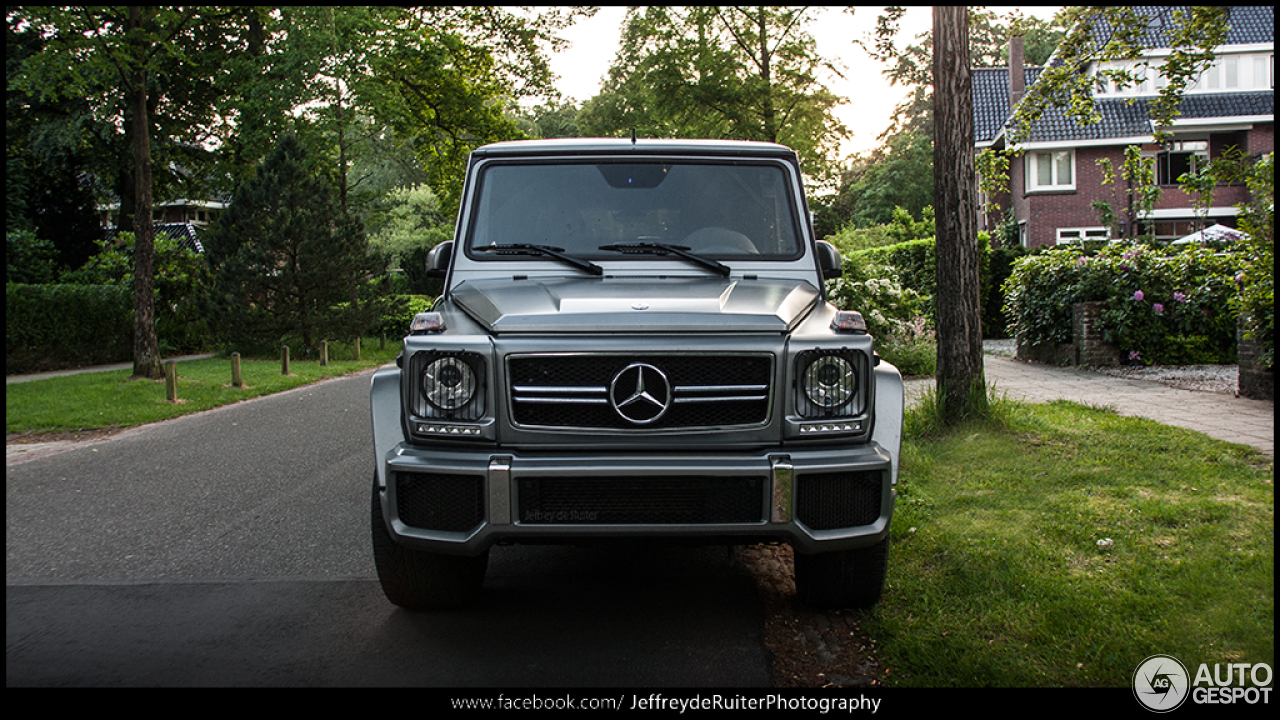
(1067, 545)
(110, 399)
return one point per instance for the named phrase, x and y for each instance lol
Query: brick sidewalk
(1221, 416)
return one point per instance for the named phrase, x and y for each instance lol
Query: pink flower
(1179, 297)
(1158, 308)
(1137, 295)
(1133, 355)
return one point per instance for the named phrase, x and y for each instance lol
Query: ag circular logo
(640, 393)
(1160, 683)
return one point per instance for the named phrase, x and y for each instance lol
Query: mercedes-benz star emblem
(640, 393)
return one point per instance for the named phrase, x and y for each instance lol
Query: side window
(1050, 170)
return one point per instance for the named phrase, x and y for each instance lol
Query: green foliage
(893, 313)
(1256, 300)
(1159, 308)
(851, 239)
(395, 323)
(182, 281)
(29, 259)
(411, 218)
(915, 263)
(741, 73)
(54, 326)
(997, 266)
(900, 175)
(286, 260)
(550, 120)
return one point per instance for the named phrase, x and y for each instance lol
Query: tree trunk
(766, 75)
(146, 353)
(961, 383)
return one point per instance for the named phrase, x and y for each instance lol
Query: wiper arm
(680, 251)
(545, 251)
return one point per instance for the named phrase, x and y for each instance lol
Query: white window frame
(1244, 68)
(1031, 171)
(1067, 236)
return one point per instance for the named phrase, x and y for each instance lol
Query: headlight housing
(448, 386)
(448, 383)
(831, 384)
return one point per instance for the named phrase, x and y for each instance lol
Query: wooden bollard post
(357, 349)
(171, 381)
(236, 379)
(383, 344)
(324, 353)
(284, 361)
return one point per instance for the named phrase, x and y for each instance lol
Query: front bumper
(465, 501)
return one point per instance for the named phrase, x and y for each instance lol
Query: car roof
(613, 146)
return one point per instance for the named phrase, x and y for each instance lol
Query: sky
(871, 99)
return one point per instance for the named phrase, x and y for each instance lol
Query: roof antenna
(633, 136)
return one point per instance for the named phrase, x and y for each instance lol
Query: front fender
(889, 407)
(384, 404)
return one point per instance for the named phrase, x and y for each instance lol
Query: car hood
(704, 305)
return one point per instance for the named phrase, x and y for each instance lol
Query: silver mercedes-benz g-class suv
(633, 343)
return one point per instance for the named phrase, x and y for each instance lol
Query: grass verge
(98, 400)
(1060, 545)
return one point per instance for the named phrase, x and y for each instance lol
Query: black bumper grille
(641, 501)
(447, 503)
(826, 501)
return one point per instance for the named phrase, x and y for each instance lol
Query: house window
(1075, 235)
(1051, 170)
(1186, 156)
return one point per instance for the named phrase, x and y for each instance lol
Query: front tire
(843, 578)
(420, 580)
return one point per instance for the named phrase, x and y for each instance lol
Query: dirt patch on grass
(33, 437)
(810, 648)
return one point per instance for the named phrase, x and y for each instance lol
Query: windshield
(724, 210)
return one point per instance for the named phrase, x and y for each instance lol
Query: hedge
(1160, 306)
(915, 265)
(48, 327)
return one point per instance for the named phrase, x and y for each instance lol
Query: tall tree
(113, 57)
(438, 80)
(961, 382)
(286, 258)
(750, 73)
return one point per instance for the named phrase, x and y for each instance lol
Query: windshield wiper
(680, 251)
(545, 251)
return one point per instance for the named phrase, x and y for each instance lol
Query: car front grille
(640, 392)
(694, 500)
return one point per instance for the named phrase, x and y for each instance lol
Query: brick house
(1056, 177)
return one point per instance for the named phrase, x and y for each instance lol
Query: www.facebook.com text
(657, 701)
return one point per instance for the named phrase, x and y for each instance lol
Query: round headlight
(448, 383)
(830, 381)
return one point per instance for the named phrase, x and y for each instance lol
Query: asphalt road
(231, 548)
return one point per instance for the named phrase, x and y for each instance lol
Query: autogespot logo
(1160, 683)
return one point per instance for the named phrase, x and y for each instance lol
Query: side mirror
(829, 261)
(438, 259)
